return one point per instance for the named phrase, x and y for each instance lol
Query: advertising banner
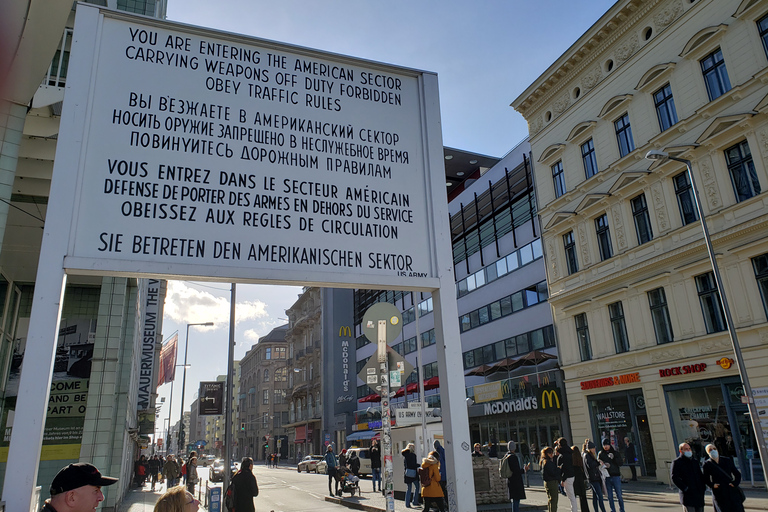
(211, 398)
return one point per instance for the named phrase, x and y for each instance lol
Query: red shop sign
(683, 370)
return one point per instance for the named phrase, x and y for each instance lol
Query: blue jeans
(614, 484)
(376, 477)
(409, 495)
(597, 496)
(515, 505)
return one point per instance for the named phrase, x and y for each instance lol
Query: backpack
(229, 498)
(424, 478)
(504, 470)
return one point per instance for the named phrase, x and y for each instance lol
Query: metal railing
(57, 72)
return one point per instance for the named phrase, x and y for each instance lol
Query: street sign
(747, 399)
(370, 372)
(211, 398)
(382, 311)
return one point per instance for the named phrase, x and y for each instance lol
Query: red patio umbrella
(431, 383)
(373, 397)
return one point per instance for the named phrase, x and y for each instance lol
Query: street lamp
(184, 383)
(170, 408)
(662, 156)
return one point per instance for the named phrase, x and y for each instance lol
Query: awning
(301, 433)
(365, 434)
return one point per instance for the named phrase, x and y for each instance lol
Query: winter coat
(171, 469)
(375, 454)
(630, 455)
(192, 477)
(515, 482)
(342, 459)
(354, 463)
(550, 472)
(439, 449)
(612, 461)
(723, 472)
(579, 482)
(410, 462)
(592, 467)
(246, 489)
(433, 490)
(687, 476)
(565, 462)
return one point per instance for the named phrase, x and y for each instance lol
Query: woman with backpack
(244, 488)
(411, 475)
(512, 470)
(429, 477)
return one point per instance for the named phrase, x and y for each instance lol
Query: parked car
(322, 467)
(206, 460)
(365, 460)
(216, 470)
(309, 463)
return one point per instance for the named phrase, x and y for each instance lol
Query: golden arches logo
(345, 331)
(550, 395)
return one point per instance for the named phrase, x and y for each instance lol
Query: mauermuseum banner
(208, 154)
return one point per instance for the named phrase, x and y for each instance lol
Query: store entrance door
(645, 454)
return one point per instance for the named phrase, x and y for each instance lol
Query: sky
(485, 52)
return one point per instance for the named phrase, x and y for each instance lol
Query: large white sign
(210, 154)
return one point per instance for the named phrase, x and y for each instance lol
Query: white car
(365, 460)
(309, 463)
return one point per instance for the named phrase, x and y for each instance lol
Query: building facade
(641, 329)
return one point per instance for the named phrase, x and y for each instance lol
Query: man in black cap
(77, 488)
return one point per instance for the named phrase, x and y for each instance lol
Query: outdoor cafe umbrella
(482, 371)
(431, 383)
(534, 358)
(373, 397)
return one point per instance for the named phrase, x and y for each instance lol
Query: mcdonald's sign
(345, 331)
(550, 399)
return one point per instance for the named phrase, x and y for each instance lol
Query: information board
(210, 154)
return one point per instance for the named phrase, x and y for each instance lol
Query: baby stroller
(348, 482)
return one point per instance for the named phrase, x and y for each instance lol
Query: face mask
(688, 454)
(713, 454)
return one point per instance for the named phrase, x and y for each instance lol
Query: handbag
(411, 473)
(738, 489)
(742, 497)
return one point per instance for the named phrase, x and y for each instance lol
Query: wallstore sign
(549, 398)
(683, 370)
(618, 380)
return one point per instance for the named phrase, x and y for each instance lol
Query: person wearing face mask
(687, 476)
(723, 478)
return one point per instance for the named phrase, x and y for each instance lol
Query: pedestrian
(154, 469)
(177, 499)
(172, 472)
(515, 482)
(77, 488)
(525, 452)
(192, 477)
(723, 478)
(183, 470)
(246, 487)
(567, 475)
(477, 452)
(594, 475)
(689, 479)
(343, 458)
(375, 454)
(612, 462)
(580, 482)
(551, 475)
(443, 469)
(493, 450)
(432, 494)
(140, 471)
(330, 464)
(411, 475)
(354, 463)
(630, 457)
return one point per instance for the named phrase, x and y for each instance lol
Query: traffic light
(182, 437)
(242, 426)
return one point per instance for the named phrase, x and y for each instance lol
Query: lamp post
(662, 156)
(184, 383)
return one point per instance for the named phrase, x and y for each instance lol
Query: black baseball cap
(78, 475)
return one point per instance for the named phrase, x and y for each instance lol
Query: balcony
(52, 89)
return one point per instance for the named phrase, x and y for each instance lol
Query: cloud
(187, 305)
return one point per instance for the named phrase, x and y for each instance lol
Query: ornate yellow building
(642, 335)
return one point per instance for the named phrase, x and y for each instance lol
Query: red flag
(167, 370)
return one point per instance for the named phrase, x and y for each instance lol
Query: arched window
(266, 375)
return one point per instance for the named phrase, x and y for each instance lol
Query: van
(365, 460)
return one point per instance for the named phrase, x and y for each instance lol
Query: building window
(665, 107)
(715, 74)
(582, 334)
(603, 237)
(642, 219)
(624, 135)
(589, 158)
(279, 352)
(619, 327)
(265, 420)
(266, 375)
(685, 198)
(662, 324)
(711, 307)
(558, 178)
(570, 252)
(268, 353)
(742, 171)
(760, 264)
(762, 26)
(265, 397)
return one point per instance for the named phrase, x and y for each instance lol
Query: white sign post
(189, 153)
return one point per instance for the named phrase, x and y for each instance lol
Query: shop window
(711, 307)
(762, 26)
(589, 158)
(582, 335)
(558, 178)
(570, 253)
(685, 198)
(742, 171)
(603, 237)
(662, 325)
(760, 265)
(642, 219)
(715, 74)
(665, 107)
(618, 327)
(624, 135)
